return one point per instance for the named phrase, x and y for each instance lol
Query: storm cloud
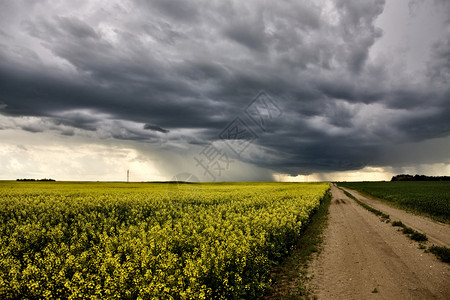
(177, 73)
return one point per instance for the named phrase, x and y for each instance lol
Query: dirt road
(364, 258)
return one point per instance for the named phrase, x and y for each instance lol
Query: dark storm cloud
(180, 71)
(249, 35)
(439, 67)
(155, 128)
(176, 9)
(76, 28)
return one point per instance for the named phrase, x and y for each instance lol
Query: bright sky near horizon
(224, 90)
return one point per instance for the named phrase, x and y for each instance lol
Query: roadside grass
(289, 279)
(411, 233)
(383, 216)
(419, 237)
(398, 223)
(443, 253)
(422, 246)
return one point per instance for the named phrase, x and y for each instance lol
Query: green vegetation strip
(382, 215)
(441, 252)
(289, 279)
(411, 233)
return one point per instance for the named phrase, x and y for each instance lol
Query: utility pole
(128, 175)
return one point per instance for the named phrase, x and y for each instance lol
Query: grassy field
(147, 240)
(428, 198)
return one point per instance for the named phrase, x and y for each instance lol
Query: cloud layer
(177, 73)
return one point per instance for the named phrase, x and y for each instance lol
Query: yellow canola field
(147, 240)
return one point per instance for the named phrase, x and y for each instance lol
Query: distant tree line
(32, 179)
(407, 177)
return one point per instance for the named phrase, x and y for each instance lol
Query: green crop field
(425, 197)
(147, 240)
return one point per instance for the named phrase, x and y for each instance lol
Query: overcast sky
(224, 90)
